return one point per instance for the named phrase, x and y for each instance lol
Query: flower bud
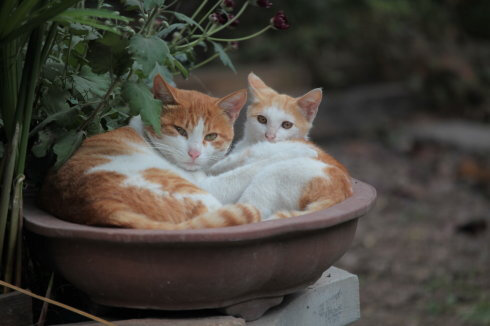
(263, 3)
(229, 4)
(214, 17)
(280, 21)
(176, 36)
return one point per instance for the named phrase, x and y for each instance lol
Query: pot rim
(363, 199)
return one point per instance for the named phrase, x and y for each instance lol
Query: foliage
(439, 46)
(71, 71)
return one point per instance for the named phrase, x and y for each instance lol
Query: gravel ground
(423, 253)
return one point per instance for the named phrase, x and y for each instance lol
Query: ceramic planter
(243, 269)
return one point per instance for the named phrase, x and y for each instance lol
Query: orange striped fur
(103, 183)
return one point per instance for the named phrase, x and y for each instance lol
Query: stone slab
(206, 321)
(332, 301)
(15, 309)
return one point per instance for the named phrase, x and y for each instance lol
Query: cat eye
(181, 131)
(211, 137)
(287, 124)
(262, 119)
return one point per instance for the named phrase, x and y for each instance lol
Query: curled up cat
(136, 177)
(296, 177)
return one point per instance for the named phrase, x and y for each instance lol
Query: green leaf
(133, 4)
(187, 19)
(43, 143)
(162, 71)
(148, 51)
(55, 100)
(225, 59)
(53, 70)
(94, 127)
(2, 150)
(150, 4)
(109, 53)
(166, 31)
(66, 146)
(177, 64)
(87, 21)
(141, 101)
(49, 10)
(81, 14)
(89, 84)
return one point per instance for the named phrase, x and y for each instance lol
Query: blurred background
(407, 109)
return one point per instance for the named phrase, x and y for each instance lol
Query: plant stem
(229, 22)
(18, 260)
(210, 11)
(9, 86)
(49, 43)
(8, 176)
(198, 10)
(149, 20)
(13, 232)
(101, 104)
(207, 35)
(204, 62)
(244, 38)
(68, 52)
(36, 42)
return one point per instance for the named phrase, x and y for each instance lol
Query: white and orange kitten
(274, 117)
(296, 177)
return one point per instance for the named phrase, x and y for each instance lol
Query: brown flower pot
(243, 269)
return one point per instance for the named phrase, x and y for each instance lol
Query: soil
(423, 254)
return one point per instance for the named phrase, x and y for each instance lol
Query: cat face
(275, 117)
(196, 129)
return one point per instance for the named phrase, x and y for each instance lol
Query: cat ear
(257, 86)
(163, 91)
(233, 103)
(309, 103)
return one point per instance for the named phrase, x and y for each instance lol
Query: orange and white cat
(288, 184)
(133, 177)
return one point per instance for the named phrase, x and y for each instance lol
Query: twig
(101, 104)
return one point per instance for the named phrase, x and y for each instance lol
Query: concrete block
(332, 301)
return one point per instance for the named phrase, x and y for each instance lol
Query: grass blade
(13, 232)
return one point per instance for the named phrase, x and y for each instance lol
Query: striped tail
(228, 215)
(312, 207)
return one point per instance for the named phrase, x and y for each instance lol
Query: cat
(132, 177)
(287, 185)
(274, 117)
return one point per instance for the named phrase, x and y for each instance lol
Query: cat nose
(194, 153)
(270, 136)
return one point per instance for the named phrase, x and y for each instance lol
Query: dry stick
(56, 303)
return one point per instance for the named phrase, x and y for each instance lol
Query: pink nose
(270, 136)
(194, 153)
